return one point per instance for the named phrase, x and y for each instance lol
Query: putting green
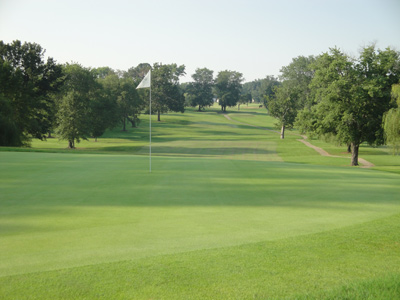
(61, 211)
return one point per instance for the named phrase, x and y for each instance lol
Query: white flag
(145, 83)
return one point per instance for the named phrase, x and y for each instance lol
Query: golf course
(228, 211)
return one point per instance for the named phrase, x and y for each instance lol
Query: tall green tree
(244, 99)
(396, 94)
(104, 106)
(293, 94)
(120, 98)
(129, 102)
(74, 104)
(300, 72)
(165, 91)
(103, 113)
(10, 134)
(391, 122)
(228, 87)
(102, 72)
(27, 84)
(352, 96)
(391, 126)
(137, 72)
(284, 105)
(200, 91)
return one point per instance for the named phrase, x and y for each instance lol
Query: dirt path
(365, 163)
(318, 149)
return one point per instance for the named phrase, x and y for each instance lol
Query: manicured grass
(331, 265)
(225, 214)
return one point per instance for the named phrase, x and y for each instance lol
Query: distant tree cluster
(260, 90)
(226, 88)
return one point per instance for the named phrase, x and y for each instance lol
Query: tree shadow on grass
(160, 150)
(120, 181)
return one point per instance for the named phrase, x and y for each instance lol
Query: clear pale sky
(253, 37)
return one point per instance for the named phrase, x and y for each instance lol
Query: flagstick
(146, 83)
(150, 126)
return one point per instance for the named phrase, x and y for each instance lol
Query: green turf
(227, 213)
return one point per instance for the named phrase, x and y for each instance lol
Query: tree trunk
(132, 121)
(95, 139)
(49, 135)
(199, 108)
(283, 131)
(71, 144)
(354, 154)
(238, 106)
(349, 148)
(159, 115)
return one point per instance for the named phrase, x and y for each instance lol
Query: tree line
(350, 100)
(39, 97)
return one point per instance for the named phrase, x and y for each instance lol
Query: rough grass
(226, 220)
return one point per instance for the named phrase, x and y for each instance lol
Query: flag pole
(146, 83)
(150, 122)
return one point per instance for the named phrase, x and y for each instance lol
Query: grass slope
(226, 220)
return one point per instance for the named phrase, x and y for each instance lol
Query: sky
(253, 37)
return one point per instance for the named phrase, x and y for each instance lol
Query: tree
(120, 101)
(102, 72)
(244, 99)
(111, 89)
(300, 72)
(352, 95)
(137, 72)
(129, 102)
(391, 126)
(103, 113)
(9, 132)
(74, 104)
(199, 92)
(284, 105)
(27, 83)
(391, 122)
(228, 87)
(165, 92)
(104, 106)
(396, 94)
(292, 94)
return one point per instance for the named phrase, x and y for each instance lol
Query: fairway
(229, 212)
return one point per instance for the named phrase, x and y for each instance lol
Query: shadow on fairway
(207, 152)
(37, 183)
